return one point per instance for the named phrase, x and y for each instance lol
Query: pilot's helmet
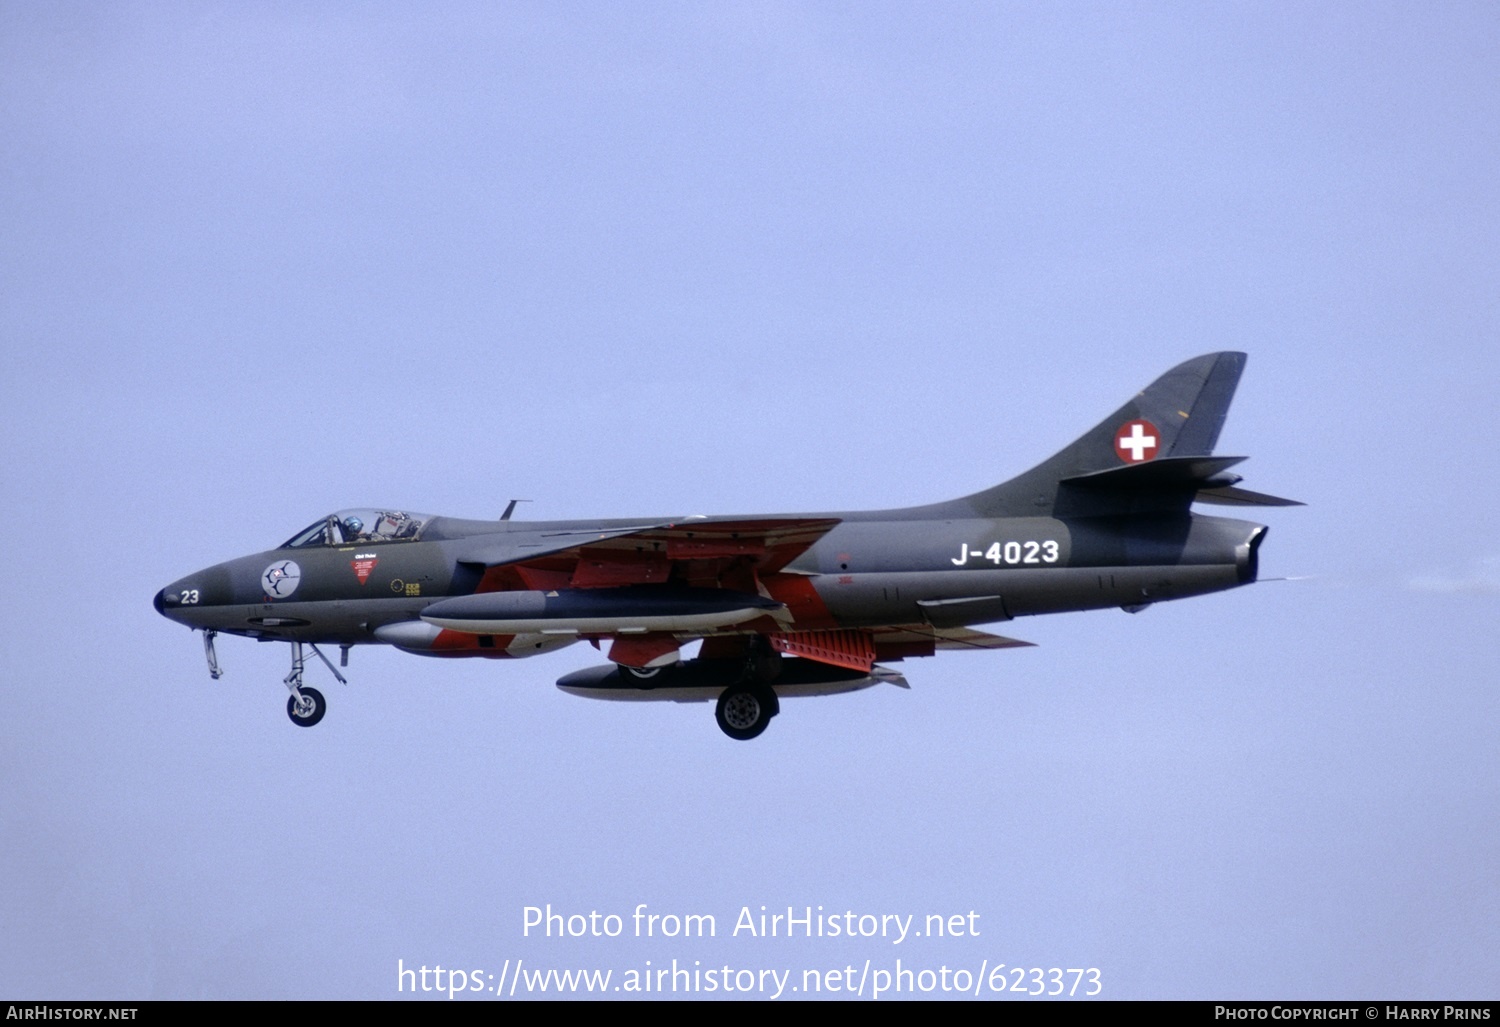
(352, 527)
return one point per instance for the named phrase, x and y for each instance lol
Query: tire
(743, 711)
(313, 712)
(647, 677)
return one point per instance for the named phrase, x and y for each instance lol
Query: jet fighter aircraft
(783, 604)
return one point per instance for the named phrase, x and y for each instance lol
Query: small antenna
(512, 508)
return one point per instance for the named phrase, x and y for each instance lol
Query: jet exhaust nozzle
(1247, 556)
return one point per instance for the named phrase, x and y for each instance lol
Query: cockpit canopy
(360, 528)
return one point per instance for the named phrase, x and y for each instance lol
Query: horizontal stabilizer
(1167, 472)
(1208, 477)
(1231, 496)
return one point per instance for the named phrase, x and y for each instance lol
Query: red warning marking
(1137, 441)
(362, 568)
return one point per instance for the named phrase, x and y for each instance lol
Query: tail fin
(1155, 453)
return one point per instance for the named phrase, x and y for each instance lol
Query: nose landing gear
(307, 705)
(309, 709)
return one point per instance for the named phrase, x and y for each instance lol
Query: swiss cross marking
(280, 579)
(1137, 441)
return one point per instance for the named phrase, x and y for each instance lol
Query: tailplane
(1154, 453)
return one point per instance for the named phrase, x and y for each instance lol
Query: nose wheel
(307, 707)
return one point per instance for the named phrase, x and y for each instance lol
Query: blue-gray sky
(259, 262)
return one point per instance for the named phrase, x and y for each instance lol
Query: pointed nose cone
(160, 602)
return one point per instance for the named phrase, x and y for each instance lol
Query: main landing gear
(745, 709)
(742, 681)
(307, 705)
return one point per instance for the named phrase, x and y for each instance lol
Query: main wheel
(310, 710)
(743, 711)
(647, 677)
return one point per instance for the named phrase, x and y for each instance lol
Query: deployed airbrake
(784, 605)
